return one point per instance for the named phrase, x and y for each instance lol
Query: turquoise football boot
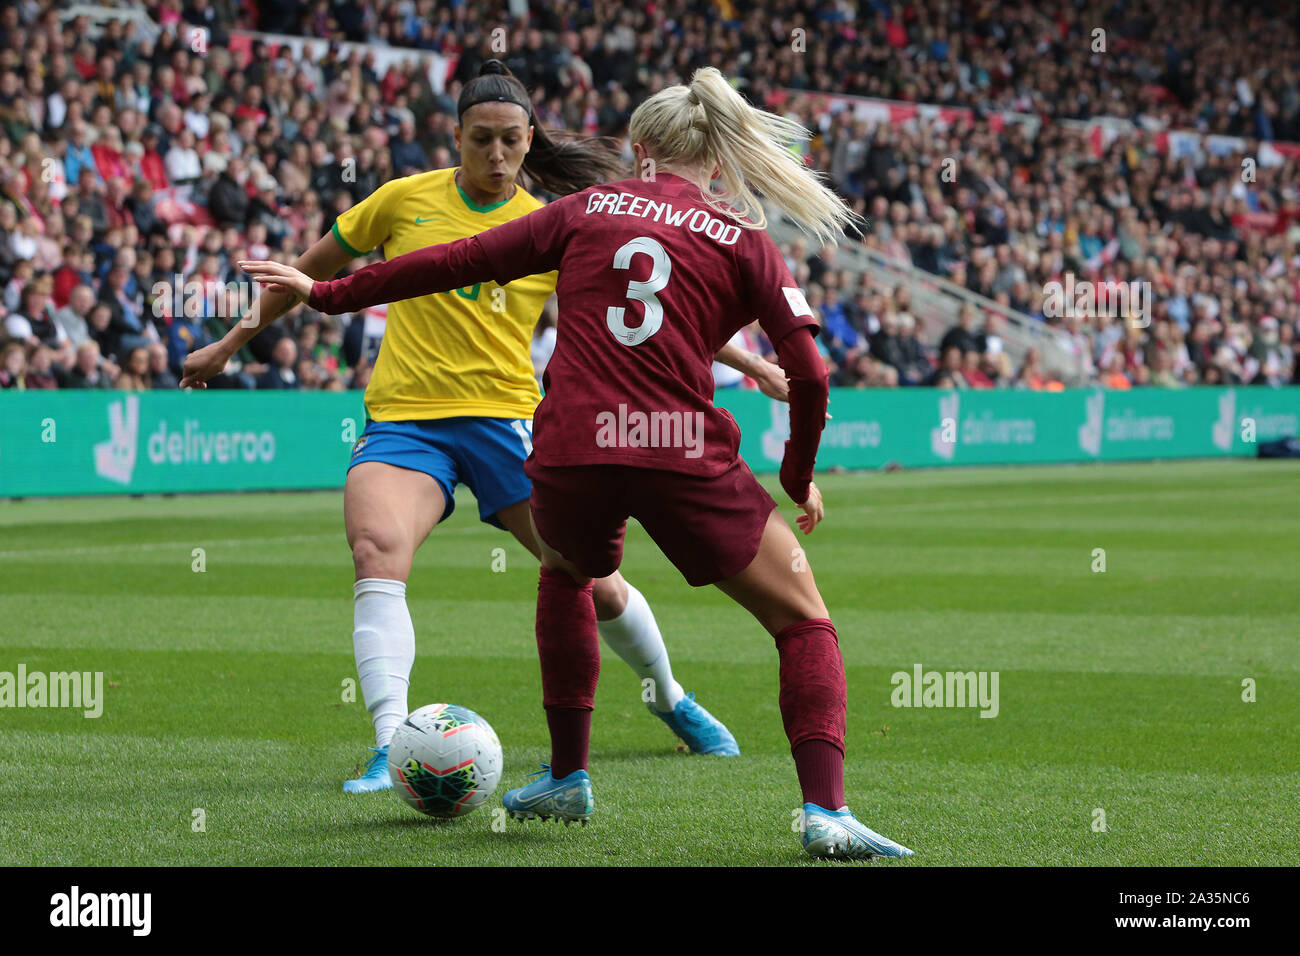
(546, 798)
(838, 835)
(376, 776)
(699, 729)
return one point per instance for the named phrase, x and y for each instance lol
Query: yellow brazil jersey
(464, 352)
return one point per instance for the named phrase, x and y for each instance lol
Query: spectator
(1115, 377)
(917, 364)
(887, 345)
(78, 157)
(821, 263)
(41, 371)
(328, 352)
(836, 325)
(69, 275)
(153, 168)
(33, 324)
(182, 165)
(1030, 376)
(108, 155)
(1164, 375)
(185, 334)
(1273, 359)
(408, 156)
(125, 307)
(89, 370)
(361, 374)
(160, 375)
(950, 370)
(13, 366)
(962, 335)
(228, 202)
(134, 374)
(281, 374)
(972, 372)
(102, 331)
(139, 207)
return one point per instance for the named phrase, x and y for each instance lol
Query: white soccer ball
(445, 760)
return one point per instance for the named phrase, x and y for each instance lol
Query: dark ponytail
(558, 161)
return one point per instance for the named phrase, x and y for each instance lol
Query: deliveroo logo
(1223, 428)
(115, 458)
(943, 440)
(1090, 430)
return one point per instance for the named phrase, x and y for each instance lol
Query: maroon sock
(569, 650)
(813, 705)
(820, 767)
(570, 736)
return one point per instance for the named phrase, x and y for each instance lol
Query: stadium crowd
(135, 171)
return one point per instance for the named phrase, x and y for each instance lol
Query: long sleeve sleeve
(525, 246)
(451, 265)
(809, 394)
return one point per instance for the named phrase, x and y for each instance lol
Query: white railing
(936, 303)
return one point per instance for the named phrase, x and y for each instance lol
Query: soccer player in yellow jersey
(452, 396)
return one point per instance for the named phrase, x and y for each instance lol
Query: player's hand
(277, 275)
(202, 364)
(771, 380)
(813, 512)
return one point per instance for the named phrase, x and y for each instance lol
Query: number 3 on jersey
(643, 292)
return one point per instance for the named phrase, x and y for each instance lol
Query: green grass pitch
(1119, 691)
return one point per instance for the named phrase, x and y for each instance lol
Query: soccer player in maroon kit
(655, 275)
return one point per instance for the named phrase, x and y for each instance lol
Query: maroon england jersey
(652, 283)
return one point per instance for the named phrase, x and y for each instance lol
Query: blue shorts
(487, 454)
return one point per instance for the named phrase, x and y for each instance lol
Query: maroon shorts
(709, 528)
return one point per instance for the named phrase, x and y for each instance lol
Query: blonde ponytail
(710, 123)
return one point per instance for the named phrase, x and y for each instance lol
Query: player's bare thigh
(778, 586)
(610, 593)
(388, 512)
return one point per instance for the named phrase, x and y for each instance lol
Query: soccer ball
(445, 760)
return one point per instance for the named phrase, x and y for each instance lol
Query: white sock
(634, 636)
(383, 640)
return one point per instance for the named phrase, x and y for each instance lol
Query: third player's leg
(609, 593)
(626, 622)
(778, 586)
(778, 589)
(623, 618)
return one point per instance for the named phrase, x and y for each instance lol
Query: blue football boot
(699, 729)
(839, 835)
(568, 799)
(376, 776)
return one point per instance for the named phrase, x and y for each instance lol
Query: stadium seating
(160, 140)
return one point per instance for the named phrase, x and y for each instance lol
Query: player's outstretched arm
(323, 260)
(423, 272)
(525, 246)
